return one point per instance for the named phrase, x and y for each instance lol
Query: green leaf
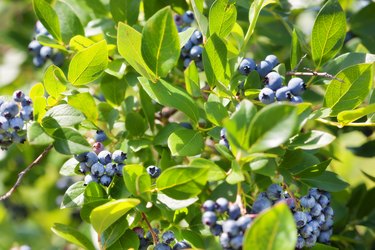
(108, 114)
(363, 29)
(182, 182)
(86, 104)
(54, 81)
(147, 108)
(215, 61)
(372, 178)
(365, 150)
(222, 17)
(62, 115)
(328, 33)
(129, 240)
(236, 175)
(313, 139)
(162, 136)
(171, 96)
(69, 141)
(37, 136)
(351, 91)
(39, 105)
(348, 116)
(160, 43)
(50, 42)
(135, 124)
(129, 47)
(48, 17)
(114, 232)
(78, 43)
(192, 80)
(88, 207)
(68, 168)
(104, 216)
(276, 228)
(215, 173)
(72, 235)
(313, 171)
(215, 112)
(184, 36)
(113, 89)
(69, 22)
(175, 204)
(238, 126)
(346, 60)
(137, 181)
(93, 192)
(328, 181)
(88, 64)
(73, 196)
(199, 17)
(116, 68)
(125, 10)
(272, 126)
(224, 151)
(320, 246)
(185, 142)
(296, 52)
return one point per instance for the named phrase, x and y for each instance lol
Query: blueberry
(320, 219)
(296, 99)
(316, 210)
(300, 219)
(181, 245)
(105, 180)
(327, 224)
(153, 171)
(4, 123)
(162, 246)
(98, 147)
(97, 169)
(266, 96)
(90, 178)
(119, 168)
(91, 159)
(236, 242)
(216, 229)
(261, 204)
(309, 217)
(196, 53)
(209, 218)
(186, 125)
(273, 81)
(224, 142)
(244, 222)
(149, 236)
(9, 109)
(225, 240)
(314, 192)
(100, 136)
(18, 95)
(139, 231)
(17, 138)
(234, 211)
(187, 47)
(34, 47)
(83, 168)
(199, 65)
(38, 61)
(291, 203)
(105, 157)
(296, 86)
(58, 59)
(187, 61)
(310, 241)
(274, 192)
(168, 237)
(300, 242)
(306, 231)
(196, 38)
(283, 94)
(246, 66)
(223, 133)
(324, 201)
(46, 52)
(177, 20)
(208, 205)
(325, 236)
(328, 212)
(110, 169)
(81, 157)
(119, 156)
(16, 123)
(188, 17)
(263, 68)
(221, 205)
(26, 101)
(307, 201)
(272, 59)
(26, 113)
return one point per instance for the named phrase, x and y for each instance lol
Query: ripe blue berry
(119, 156)
(236, 242)
(300, 242)
(168, 237)
(16, 123)
(110, 169)
(9, 109)
(272, 59)
(216, 229)
(187, 61)
(149, 236)
(26, 101)
(181, 245)
(314, 192)
(300, 219)
(324, 236)
(91, 159)
(153, 171)
(119, 168)
(196, 53)
(188, 17)
(267, 96)
(46, 52)
(80, 157)
(18, 95)
(328, 212)
(90, 178)
(320, 219)
(296, 99)
(196, 38)
(208, 205)
(221, 205)
(105, 180)
(105, 157)
(100, 136)
(273, 81)
(246, 66)
(4, 123)
(58, 59)
(310, 241)
(306, 231)
(234, 211)
(260, 204)
(283, 94)
(323, 201)
(316, 210)
(307, 201)
(34, 47)
(209, 218)
(274, 192)
(38, 61)
(244, 222)
(97, 169)
(83, 168)
(327, 224)
(263, 68)
(162, 246)
(296, 86)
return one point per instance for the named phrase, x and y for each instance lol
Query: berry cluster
(167, 239)
(226, 221)
(273, 83)
(314, 216)
(100, 165)
(13, 116)
(191, 51)
(43, 53)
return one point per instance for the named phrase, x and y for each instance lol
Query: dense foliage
(187, 124)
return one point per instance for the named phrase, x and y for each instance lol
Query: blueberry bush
(197, 124)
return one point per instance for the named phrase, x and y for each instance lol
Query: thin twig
(239, 199)
(299, 63)
(291, 194)
(313, 73)
(21, 174)
(351, 124)
(154, 237)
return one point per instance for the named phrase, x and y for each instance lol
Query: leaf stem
(23, 172)
(340, 125)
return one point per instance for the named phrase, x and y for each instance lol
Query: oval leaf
(48, 17)
(72, 235)
(185, 142)
(222, 17)
(69, 141)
